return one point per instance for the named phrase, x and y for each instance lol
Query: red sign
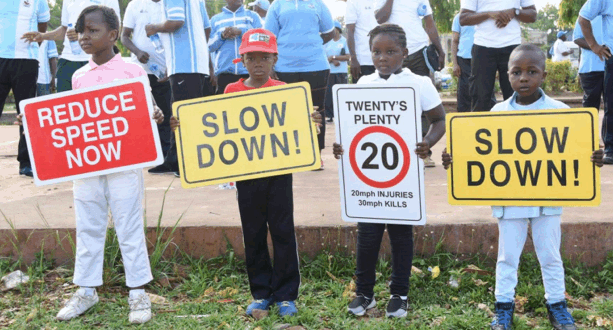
(91, 131)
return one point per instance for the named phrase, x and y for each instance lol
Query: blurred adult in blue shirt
(591, 67)
(590, 10)
(461, 47)
(338, 55)
(298, 25)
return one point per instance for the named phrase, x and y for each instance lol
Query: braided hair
(108, 14)
(390, 29)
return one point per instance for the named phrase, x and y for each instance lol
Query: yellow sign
(246, 135)
(523, 158)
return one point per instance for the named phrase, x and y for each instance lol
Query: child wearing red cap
(266, 204)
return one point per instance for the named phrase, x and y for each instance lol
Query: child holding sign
(388, 46)
(266, 203)
(98, 28)
(526, 74)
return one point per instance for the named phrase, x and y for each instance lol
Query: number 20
(368, 162)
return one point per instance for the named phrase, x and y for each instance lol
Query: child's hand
(34, 36)
(20, 119)
(316, 117)
(158, 115)
(597, 157)
(174, 123)
(319, 120)
(338, 151)
(447, 160)
(423, 149)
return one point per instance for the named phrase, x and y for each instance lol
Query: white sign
(381, 177)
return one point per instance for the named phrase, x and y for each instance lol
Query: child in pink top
(98, 28)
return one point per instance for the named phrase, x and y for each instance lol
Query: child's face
(387, 54)
(526, 73)
(259, 64)
(96, 36)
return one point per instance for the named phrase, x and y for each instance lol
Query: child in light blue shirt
(526, 74)
(338, 56)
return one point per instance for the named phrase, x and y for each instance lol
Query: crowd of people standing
(187, 55)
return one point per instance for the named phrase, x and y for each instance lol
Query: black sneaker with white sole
(397, 307)
(361, 304)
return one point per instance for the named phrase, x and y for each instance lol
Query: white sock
(136, 292)
(87, 291)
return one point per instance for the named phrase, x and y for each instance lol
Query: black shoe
(503, 320)
(177, 174)
(397, 307)
(608, 159)
(27, 171)
(361, 304)
(330, 120)
(160, 169)
(559, 317)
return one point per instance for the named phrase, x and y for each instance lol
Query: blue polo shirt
(467, 36)
(590, 62)
(16, 18)
(297, 25)
(604, 8)
(185, 49)
(336, 48)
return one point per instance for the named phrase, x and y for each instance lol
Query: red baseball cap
(257, 40)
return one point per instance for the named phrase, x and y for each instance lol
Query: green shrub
(561, 76)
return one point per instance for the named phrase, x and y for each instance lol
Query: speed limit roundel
(403, 160)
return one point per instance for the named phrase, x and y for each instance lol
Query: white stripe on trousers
(546, 236)
(123, 194)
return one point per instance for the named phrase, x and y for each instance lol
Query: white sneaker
(140, 308)
(428, 162)
(78, 304)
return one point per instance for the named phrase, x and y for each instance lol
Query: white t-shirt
(486, 32)
(428, 94)
(405, 14)
(559, 47)
(71, 9)
(138, 14)
(362, 14)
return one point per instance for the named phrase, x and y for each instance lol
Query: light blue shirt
(16, 18)
(521, 212)
(224, 51)
(47, 50)
(297, 25)
(604, 8)
(590, 62)
(467, 36)
(335, 48)
(185, 49)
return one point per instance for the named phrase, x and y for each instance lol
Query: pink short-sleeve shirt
(93, 74)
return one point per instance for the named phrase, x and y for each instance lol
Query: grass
(195, 293)
(213, 293)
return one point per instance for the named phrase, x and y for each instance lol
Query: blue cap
(561, 33)
(338, 25)
(264, 4)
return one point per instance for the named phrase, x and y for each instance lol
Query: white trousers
(123, 194)
(546, 236)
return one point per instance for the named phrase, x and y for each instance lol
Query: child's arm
(436, 117)
(597, 157)
(174, 123)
